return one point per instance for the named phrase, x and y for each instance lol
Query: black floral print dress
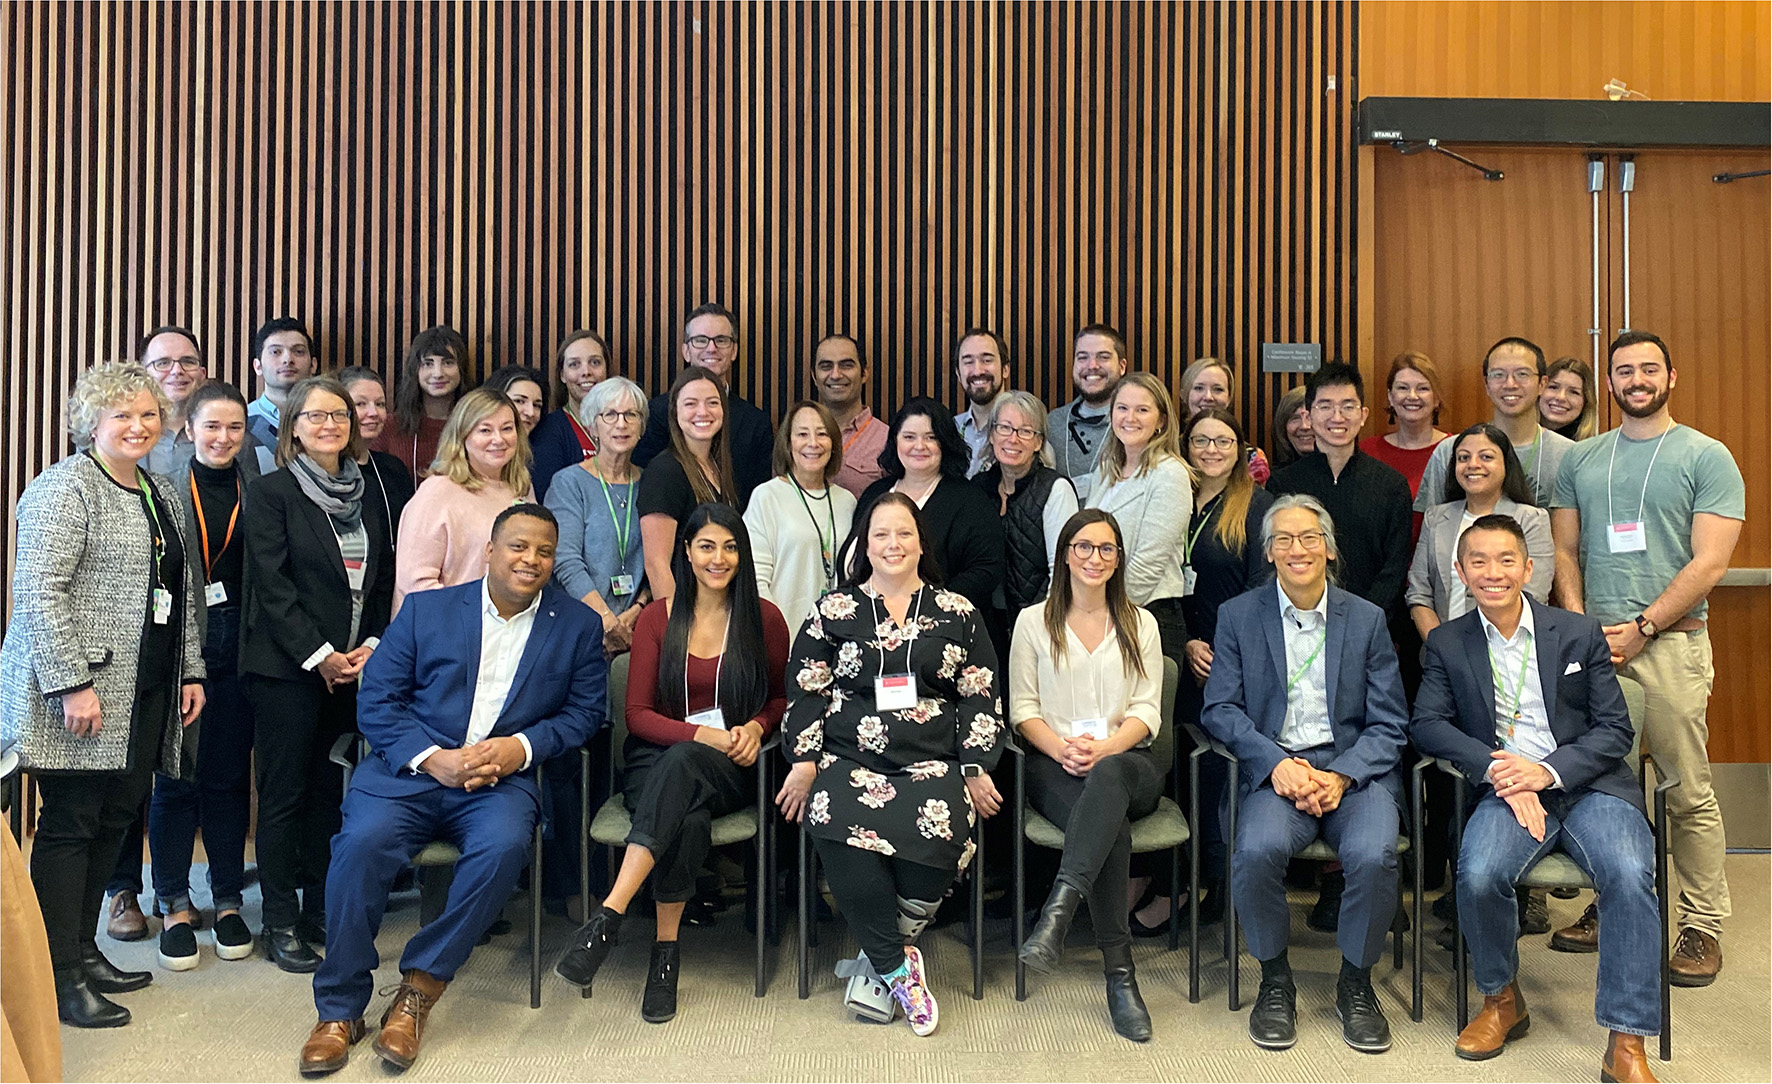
(889, 781)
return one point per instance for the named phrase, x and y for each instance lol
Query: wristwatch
(971, 771)
(1647, 627)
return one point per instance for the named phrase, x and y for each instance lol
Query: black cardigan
(962, 530)
(1219, 574)
(1374, 518)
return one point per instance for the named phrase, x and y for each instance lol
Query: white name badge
(712, 718)
(895, 692)
(1094, 728)
(1627, 538)
(162, 605)
(1188, 578)
(621, 585)
(215, 594)
(354, 574)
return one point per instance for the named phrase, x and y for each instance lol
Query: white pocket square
(1574, 667)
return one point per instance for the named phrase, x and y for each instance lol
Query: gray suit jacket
(1431, 575)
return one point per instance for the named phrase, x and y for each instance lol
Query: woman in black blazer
(319, 585)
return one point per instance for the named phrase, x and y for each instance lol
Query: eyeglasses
(1201, 443)
(1086, 550)
(321, 417)
(1004, 429)
(1511, 376)
(1312, 541)
(702, 342)
(165, 365)
(1347, 407)
(613, 416)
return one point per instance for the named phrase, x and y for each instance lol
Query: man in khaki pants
(1645, 519)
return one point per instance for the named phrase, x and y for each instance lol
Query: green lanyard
(1187, 555)
(622, 531)
(1519, 689)
(147, 495)
(1298, 675)
(824, 547)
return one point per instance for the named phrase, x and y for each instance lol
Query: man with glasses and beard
(981, 363)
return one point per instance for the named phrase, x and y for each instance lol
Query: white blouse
(1085, 684)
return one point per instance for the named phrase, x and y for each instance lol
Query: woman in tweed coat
(101, 665)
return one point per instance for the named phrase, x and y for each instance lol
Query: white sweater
(1153, 510)
(786, 543)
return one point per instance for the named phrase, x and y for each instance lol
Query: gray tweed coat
(80, 596)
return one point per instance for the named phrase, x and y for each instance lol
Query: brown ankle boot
(329, 1046)
(1503, 1018)
(404, 1023)
(1625, 1060)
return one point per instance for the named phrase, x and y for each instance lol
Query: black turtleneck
(218, 491)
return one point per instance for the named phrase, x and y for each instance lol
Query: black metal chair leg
(1020, 894)
(978, 916)
(1415, 846)
(1232, 953)
(804, 894)
(584, 841)
(535, 916)
(1460, 962)
(1193, 876)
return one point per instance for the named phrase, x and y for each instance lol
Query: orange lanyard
(851, 441)
(203, 526)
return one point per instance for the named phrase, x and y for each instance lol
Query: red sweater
(647, 722)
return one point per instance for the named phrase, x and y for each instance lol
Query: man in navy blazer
(472, 685)
(1524, 700)
(1306, 693)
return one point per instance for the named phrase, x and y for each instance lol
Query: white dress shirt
(501, 649)
(1307, 698)
(1530, 735)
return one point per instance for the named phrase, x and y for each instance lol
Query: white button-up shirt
(1307, 696)
(1530, 735)
(502, 642)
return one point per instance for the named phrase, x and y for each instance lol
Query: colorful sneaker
(911, 992)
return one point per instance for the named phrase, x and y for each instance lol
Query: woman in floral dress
(895, 724)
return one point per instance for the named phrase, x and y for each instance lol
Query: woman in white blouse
(797, 519)
(1085, 687)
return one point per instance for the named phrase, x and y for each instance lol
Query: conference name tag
(1094, 728)
(215, 594)
(1188, 578)
(621, 585)
(712, 718)
(895, 692)
(1627, 538)
(354, 573)
(162, 605)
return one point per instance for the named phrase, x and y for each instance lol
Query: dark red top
(1411, 463)
(416, 450)
(647, 722)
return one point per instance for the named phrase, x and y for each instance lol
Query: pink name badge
(1627, 538)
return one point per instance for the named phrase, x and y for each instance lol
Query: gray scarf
(339, 496)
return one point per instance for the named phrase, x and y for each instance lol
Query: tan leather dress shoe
(1503, 1019)
(1696, 960)
(1584, 936)
(329, 1046)
(403, 1025)
(1625, 1060)
(127, 923)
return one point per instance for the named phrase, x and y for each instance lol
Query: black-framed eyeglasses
(1086, 550)
(702, 342)
(1004, 429)
(321, 417)
(164, 365)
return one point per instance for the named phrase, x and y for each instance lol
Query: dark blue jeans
(219, 799)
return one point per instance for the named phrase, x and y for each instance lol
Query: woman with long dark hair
(526, 388)
(432, 381)
(563, 438)
(705, 689)
(1085, 690)
(695, 469)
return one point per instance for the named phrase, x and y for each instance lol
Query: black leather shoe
(659, 1003)
(79, 1005)
(1125, 1004)
(590, 947)
(1044, 946)
(1325, 916)
(106, 977)
(1273, 1023)
(1446, 907)
(1363, 1025)
(311, 930)
(288, 951)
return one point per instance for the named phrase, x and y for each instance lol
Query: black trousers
(1095, 812)
(673, 794)
(868, 885)
(299, 791)
(81, 825)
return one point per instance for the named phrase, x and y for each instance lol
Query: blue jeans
(1610, 840)
(219, 799)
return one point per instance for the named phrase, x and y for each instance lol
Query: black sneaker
(178, 947)
(233, 940)
(1273, 1023)
(1363, 1025)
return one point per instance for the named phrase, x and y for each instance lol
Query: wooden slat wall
(900, 171)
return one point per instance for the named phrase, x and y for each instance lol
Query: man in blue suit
(1305, 692)
(471, 686)
(1523, 698)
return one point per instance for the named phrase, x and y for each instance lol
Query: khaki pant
(1675, 672)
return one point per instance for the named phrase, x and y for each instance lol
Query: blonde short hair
(104, 386)
(1165, 444)
(452, 447)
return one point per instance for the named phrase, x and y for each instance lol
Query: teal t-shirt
(1692, 473)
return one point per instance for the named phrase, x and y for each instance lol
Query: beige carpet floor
(246, 1020)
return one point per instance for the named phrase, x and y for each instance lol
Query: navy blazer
(1245, 698)
(418, 687)
(1455, 709)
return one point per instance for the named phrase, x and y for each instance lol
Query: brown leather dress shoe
(127, 923)
(329, 1046)
(1696, 960)
(1584, 936)
(404, 1023)
(1625, 1060)
(1503, 1019)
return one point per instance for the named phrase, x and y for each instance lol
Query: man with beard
(1076, 430)
(1513, 375)
(980, 362)
(1645, 520)
(840, 377)
(282, 356)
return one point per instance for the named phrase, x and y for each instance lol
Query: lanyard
(824, 545)
(874, 599)
(1298, 675)
(386, 507)
(1519, 690)
(622, 531)
(203, 526)
(871, 422)
(719, 661)
(1642, 499)
(585, 444)
(1187, 556)
(146, 490)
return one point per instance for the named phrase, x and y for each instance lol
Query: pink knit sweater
(443, 534)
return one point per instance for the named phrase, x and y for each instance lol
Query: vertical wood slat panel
(898, 171)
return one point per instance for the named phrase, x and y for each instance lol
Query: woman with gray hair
(102, 666)
(1033, 498)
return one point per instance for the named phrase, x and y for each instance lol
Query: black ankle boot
(1131, 1019)
(106, 977)
(590, 947)
(1045, 944)
(659, 1003)
(81, 1006)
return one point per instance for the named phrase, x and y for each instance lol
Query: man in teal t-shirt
(1646, 518)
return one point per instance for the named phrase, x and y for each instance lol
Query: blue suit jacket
(1245, 698)
(418, 688)
(1455, 709)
